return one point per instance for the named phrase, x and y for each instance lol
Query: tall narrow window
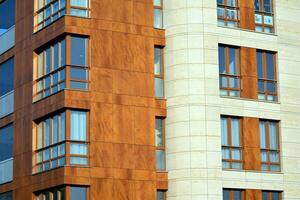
(229, 70)
(158, 13)
(6, 196)
(159, 72)
(269, 145)
(233, 194)
(266, 73)
(160, 144)
(52, 67)
(271, 195)
(161, 195)
(231, 143)
(6, 154)
(264, 16)
(49, 11)
(6, 77)
(54, 147)
(228, 13)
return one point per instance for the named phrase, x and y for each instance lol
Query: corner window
(271, 195)
(264, 16)
(266, 74)
(160, 144)
(158, 13)
(53, 66)
(48, 11)
(231, 143)
(159, 72)
(229, 71)
(228, 13)
(7, 15)
(54, 147)
(269, 145)
(233, 194)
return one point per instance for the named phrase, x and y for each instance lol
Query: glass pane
(265, 196)
(258, 28)
(236, 165)
(235, 132)
(62, 4)
(264, 156)
(62, 51)
(160, 160)
(275, 168)
(78, 125)
(233, 70)
(54, 78)
(274, 156)
(275, 195)
(160, 195)
(221, 12)
(78, 74)
(261, 86)
(231, 24)
(226, 194)
(54, 152)
(158, 18)
(54, 129)
(224, 131)
(55, 7)
(268, 20)
(268, 29)
(223, 92)
(221, 22)
(273, 135)
(62, 125)
(258, 18)
(264, 167)
(62, 149)
(157, 2)
(79, 3)
(158, 61)
(268, 6)
(270, 66)
(231, 3)
(46, 154)
(236, 154)
(257, 5)
(6, 142)
(78, 12)
(61, 161)
(262, 131)
(261, 97)
(39, 136)
(225, 165)
(231, 14)
(222, 67)
(78, 51)
(78, 193)
(39, 157)
(78, 85)
(225, 153)
(47, 134)
(223, 82)
(40, 67)
(55, 56)
(159, 87)
(234, 83)
(237, 195)
(159, 132)
(260, 69)
(271, 98)
(47, 58)
(62, 75)
(78, 161)
(78, 149)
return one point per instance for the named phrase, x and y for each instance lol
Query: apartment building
(149, 99)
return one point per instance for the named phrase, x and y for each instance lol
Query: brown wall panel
(247, 20)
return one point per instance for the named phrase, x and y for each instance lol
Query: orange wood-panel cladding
(251, 143)
(121, 102)
(249, 73)
(247, 14)
(253, 195)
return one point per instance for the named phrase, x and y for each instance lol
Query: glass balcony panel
(6, 104)
(7, 39)
(6, 171)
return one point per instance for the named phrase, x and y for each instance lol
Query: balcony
(7, 40)
(6, 170)
(7, 104)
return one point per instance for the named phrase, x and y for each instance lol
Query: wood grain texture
(121, 102)
(247, 20)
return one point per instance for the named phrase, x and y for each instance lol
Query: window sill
(247, 30)
(245, 99)
(252, 171)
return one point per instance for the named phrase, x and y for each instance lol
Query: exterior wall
(121, 102)
(194, 106)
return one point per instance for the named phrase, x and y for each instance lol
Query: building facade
(149, 99)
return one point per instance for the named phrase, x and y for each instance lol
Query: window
(228, 13)
(159, 72)
(229, 70)
(231, 143)
(232, 194)
(271, 195)
(6, 154)
(61, 193)
(54, 147)
(269, 145)
(160, 144)
(264, 16)
(48, 11)
(7, 15)
(266, 73)
(6, 77)
(52, 67)
(6, 196)
(161, 195)
(158, 13)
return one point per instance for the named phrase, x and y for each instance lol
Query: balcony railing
(7, 40)
(6, 170)
(6, 104)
